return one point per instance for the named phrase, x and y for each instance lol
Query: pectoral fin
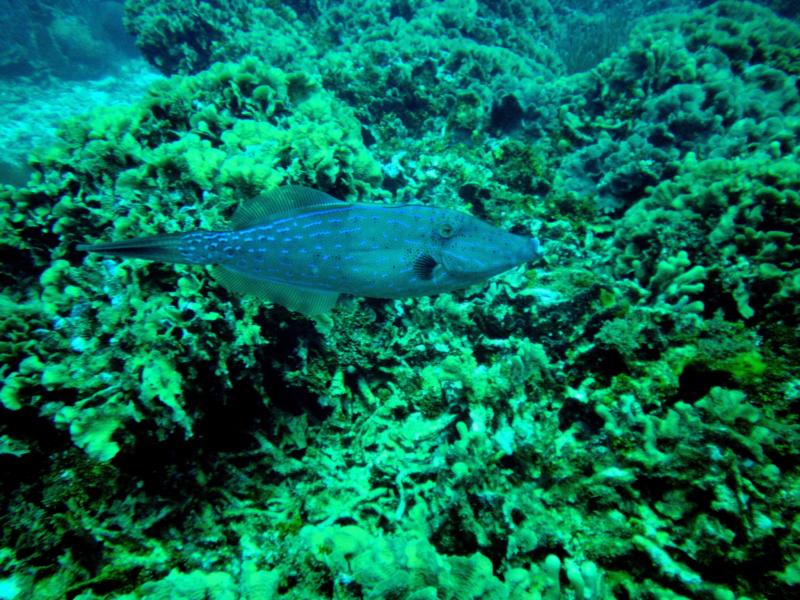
(303, 300)
(423, 265)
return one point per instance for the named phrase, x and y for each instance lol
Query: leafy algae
(621, 425)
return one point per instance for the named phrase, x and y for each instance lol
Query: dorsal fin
(282, 200)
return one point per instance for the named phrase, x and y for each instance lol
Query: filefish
(302, 248)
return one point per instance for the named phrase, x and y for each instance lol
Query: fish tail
(186, 248)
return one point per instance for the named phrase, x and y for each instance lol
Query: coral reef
(303, 135)
(190, 36)
(618, 421)
(65, 38)
(382, 58)
(713, 86)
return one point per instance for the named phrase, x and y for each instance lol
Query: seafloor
(616, 420)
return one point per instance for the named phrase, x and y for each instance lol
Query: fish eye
(446, 230)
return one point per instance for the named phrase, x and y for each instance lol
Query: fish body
(302, 248)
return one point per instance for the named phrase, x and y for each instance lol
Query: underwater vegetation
(617, 420)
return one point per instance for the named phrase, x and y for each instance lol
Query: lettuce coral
(739, 217)
(711, 82)
(225, 141)
(190, 37)
(618, 422)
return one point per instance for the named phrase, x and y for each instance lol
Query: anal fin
(303, 300)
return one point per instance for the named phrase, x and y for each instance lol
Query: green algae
(619, 424)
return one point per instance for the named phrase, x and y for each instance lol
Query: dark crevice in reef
(696, 381)
(506, 115)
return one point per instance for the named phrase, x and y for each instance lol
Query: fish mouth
(536, 250)
(474, 261)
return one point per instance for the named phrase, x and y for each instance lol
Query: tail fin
(172, 248)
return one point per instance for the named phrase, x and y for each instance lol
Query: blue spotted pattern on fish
(303, 248)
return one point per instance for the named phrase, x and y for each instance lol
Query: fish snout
(521, 249)
(487, 257)
(534, 249)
